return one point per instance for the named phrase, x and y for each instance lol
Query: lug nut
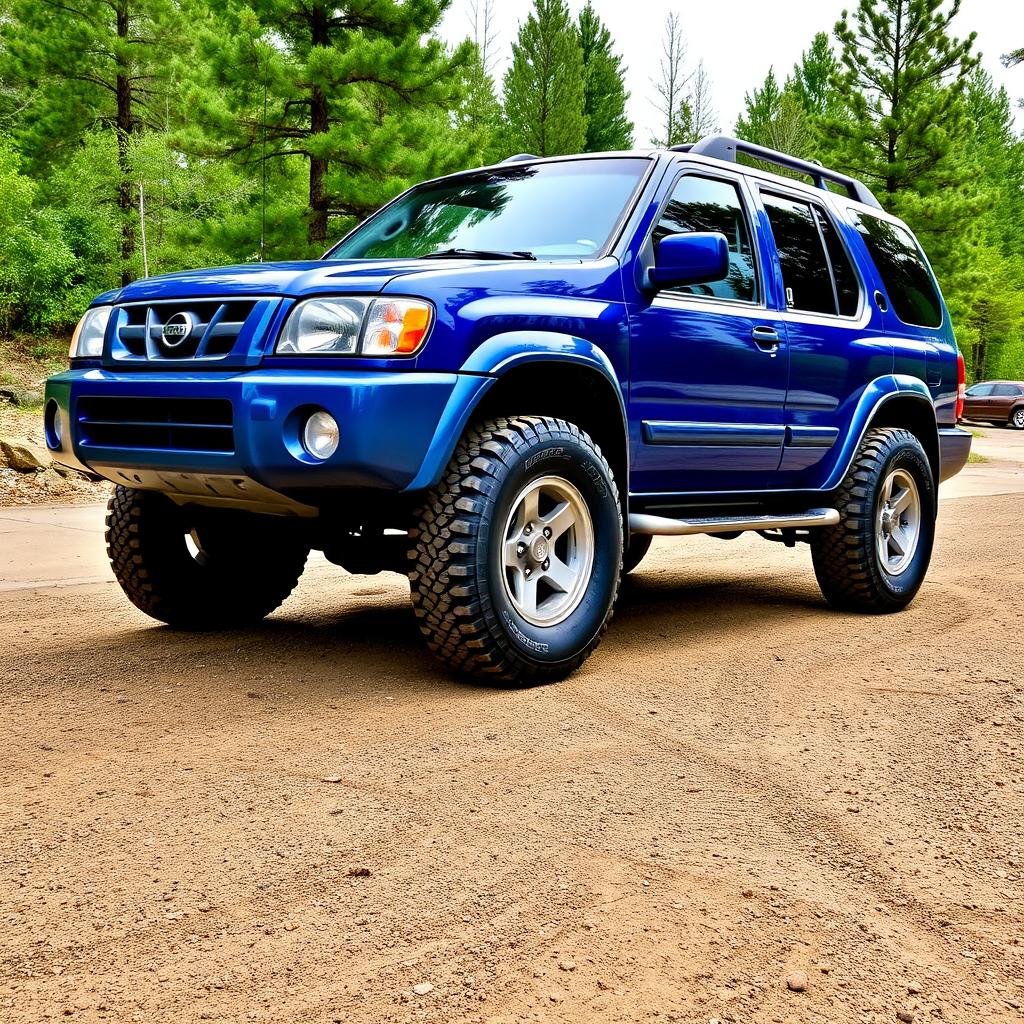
(547, 564)
(529, 529)
(520, 549)
(527, 573)
(547, 532)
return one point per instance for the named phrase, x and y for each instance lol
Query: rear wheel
(516, 557)
(875, 560)
(1017, 418)
(200, 569)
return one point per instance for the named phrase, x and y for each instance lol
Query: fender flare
(486, 365)
(879, 393)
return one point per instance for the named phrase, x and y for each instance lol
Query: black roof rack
(519, 156)
(724, 147)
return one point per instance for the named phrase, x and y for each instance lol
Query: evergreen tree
(84, 65)
(544, 86)
(775, 117)
(990, 297)
(359, 90)
(903, 82)
(814, 79)
(604, 96)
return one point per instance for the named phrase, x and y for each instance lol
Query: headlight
(87, 341)
(324, 325)
(356, 326)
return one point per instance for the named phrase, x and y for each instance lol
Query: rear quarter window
(903, 270)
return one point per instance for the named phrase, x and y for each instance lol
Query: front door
(709, 363)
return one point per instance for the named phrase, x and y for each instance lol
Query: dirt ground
(310, 822)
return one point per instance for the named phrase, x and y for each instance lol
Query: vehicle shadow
(361, 647)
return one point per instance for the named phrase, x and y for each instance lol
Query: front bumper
(398, 430)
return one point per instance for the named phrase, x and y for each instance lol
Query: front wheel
(1017, 418)
(516, 556)
(200, 569)
(875, 560)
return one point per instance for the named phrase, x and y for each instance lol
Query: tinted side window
(980, 390)
(847, 287)
(901, 265)
(805, 270)
(706, 204)
(1005, 391)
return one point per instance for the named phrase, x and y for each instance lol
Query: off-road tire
(455, 570)
(247, 566)
(636, 551)
(846, 562)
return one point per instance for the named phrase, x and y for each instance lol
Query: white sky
(739, 40)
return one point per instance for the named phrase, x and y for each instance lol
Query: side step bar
(659, 526)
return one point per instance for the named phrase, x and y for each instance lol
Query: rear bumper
(954, 450)
(398, 430)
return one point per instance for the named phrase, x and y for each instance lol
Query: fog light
(321, 435)
(52, 426)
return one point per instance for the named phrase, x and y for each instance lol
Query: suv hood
(300, 278)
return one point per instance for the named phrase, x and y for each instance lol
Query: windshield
(567, 208)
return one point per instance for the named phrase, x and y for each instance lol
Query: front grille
(164, 424)
(206, 330)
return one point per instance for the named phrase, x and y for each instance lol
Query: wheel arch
(893, 401)
(541, 374)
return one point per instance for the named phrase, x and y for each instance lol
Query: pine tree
(360, 91)
(544, 86)
(989, 299)
(903, 82)
(775, 117)
(814, 79)
(86, 66)
(605, 96)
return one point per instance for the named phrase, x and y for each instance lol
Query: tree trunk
(319, 123)
(125, 126)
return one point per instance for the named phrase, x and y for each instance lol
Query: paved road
(739, 785)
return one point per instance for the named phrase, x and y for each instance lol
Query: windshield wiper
(479, 254)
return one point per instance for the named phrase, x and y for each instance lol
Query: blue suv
(507, 381)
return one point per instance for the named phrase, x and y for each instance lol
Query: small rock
(566, 965)
(796, 981)
(331, 778)
(26, 458)
(424, 988)
(359, 872)
(905, 1017)
(914, 988)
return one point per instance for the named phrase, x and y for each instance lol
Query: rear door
(836, 340)
(708, 363)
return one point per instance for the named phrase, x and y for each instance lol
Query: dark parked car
(996, 401)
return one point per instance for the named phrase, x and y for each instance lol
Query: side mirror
(696, 257)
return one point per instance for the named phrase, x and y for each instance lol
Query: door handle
(766, 339)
